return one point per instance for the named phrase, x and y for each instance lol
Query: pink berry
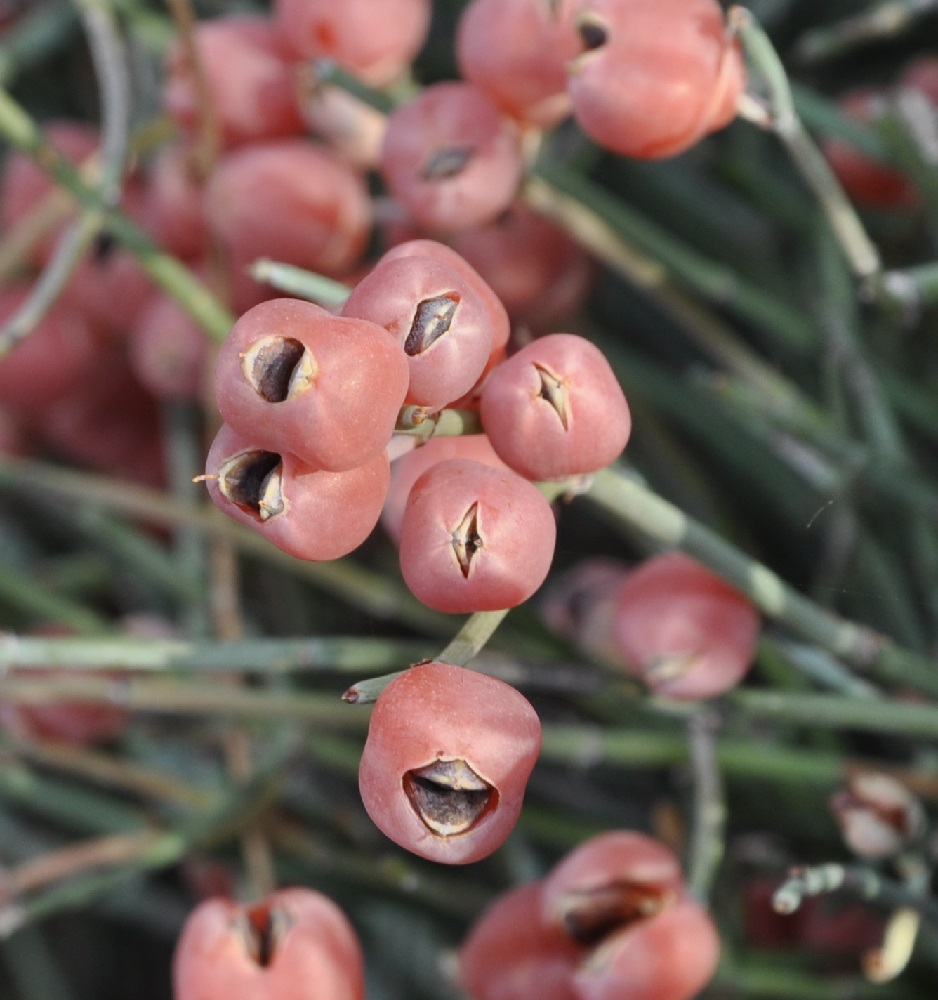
(296, 378)
(555, 409)
(373, 39)
(447, 758)
(451, 157)
(407, 469)
(290, 200)
(682, 630)
(510, 955)
(655, 76)
(295, 944)
(475, 538)
(250, 80)
(309, 513)
(517, 51)
(432, 312)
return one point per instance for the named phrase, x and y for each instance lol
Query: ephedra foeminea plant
(698, 625)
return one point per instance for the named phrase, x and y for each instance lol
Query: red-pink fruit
(168, 350)
(510, 955)
(682, 630)
(56, 357)
(295, 944)
(610, 880)
(249, 78)
(290, 200)
(309, 513)
(408, 468)
(374, 39)
(475, 538)
(655, 76)
(622, 895)
(446, 761)
(439, 322)
(555, 409)
(517, 51)
(669, 956)
(498, 317)
(296, 378)
(172, 203)
(865, 180)
(538, 272)
(451, 157)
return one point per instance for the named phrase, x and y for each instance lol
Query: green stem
(857, 247)
(292, 280)
(708, 828)
(180, 698)
(639, 507)
(171, 275)
(609, 227)
(267, 656)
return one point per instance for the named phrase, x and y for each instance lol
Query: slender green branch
(170, 274)
(709, 808)
(292, 280)
(859, 645)
(857, 247)
(267, 656)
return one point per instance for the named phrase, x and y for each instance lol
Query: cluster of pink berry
(311, 401)
(612, 920)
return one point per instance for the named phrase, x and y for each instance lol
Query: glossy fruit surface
(446, 761)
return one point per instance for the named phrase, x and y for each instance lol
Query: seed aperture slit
(254, 481)
(448, 796)
(279, 368)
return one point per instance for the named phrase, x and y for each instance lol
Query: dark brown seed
(467, 539)
(278, 368)
(448, 796)
(254, 481)
(432, 320)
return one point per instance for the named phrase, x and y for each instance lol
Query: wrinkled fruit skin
(437, 712)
